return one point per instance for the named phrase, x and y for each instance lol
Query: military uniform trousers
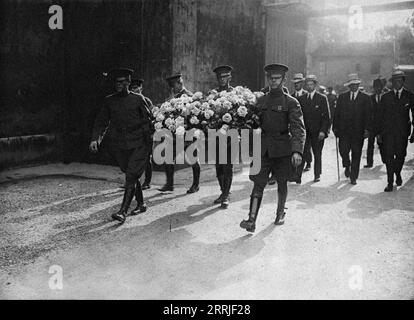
(351, 144)
(280, 167)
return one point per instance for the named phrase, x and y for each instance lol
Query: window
(375, 66)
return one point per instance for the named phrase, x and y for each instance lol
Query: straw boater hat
(311, 77)
(352, 79)
(397, 74)
(298, 77)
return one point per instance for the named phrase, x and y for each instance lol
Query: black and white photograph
(206, 150)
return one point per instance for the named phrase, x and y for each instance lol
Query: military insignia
(279, 108)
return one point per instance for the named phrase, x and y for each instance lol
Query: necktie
(397, 95)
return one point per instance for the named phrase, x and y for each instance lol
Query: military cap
(137, 82)
(311, 77)
(174, 76)
(276, 68)
(298, 77)
(223, 70)
(120, 72)
(397, 74)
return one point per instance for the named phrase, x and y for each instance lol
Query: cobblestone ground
(339, 241)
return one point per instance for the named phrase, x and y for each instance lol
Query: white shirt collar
(300, 92)
(354, 94)
(312, 94)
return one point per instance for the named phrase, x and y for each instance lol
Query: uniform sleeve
(101, 122)
(326, 116)
(297, 126)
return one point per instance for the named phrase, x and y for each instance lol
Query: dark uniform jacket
(283, 130)
(352, 118)
(316, 113)
(126, 119)
(395, 113)
(267, 89)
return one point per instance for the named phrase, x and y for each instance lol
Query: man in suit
(176, 84)
(137, 87)
(126, 119)
(378, 85)
(351, 125)
(317, 119)
(395, 127)
(283, 137)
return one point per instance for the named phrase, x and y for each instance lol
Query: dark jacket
(267, 89)
(316, 113)
(126, 119)
(183, 91)
(352, 118)
(394, 114)
(283, 130)
(297, 97)
(375, 114)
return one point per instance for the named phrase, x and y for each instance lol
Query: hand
(94, 146)
(379, 139)
(412, 138)
(296, 159)
(321, 136)
(366, 134)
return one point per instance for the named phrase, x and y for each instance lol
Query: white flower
(194, 120)
(227, 105)
(242, 111)
(179, 121)
(180, 130)
(207, 114)
(198, 95)
(227, 117)
(205, 106)
(169, 122)
(224, 128)
(196, 111)
(160, 117)
(155, 111)
(158, 125)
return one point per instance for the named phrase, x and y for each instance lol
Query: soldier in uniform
(317, 122)
(137, 87)
(127, 117)
(224, 171)
(176, 83)
(395, 127)
(378, 85)
(351, 125)
(283, 139)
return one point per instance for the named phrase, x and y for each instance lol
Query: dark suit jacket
(297, 97)
(395, 113)
(316, 113)
(375, 114)
(352, 118)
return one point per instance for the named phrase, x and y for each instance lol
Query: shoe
(166, 188)
(389, 188)
(146, 186)
(317, 179)
(353, 181)
(119, 216)
(298, 181)
(398, 180)
(280, 218)
(126, 201)
(368, 166)
(193, 189)
(219, 199)
(272, 181)
(307, 168)
(347, 172)
(250, 223)
(225, 201)
(141, 208)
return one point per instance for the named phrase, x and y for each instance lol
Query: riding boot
(280, 212)
(227, 180)
(126, 201)
(169, 172)
(250, 223)
(196, 178)
(141, 207)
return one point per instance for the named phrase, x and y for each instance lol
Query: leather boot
(169, 172)
(196, 179)
(250, 223)
(126, 201)
(280, 212)
(141, 207)
(225, 200)
(220, 181)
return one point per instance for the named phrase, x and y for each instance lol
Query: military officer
(176, 84)
(224, 171)
(395, 127)
(137, 87)
(283, 138)
(128, 118)
(351, 125)
(378, 85)
(317, 122)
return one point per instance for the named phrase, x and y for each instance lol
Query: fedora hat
(352, 79)
(311, 77)
(397, 74)
(298, 77)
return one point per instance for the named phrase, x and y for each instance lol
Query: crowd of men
(294, 127)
